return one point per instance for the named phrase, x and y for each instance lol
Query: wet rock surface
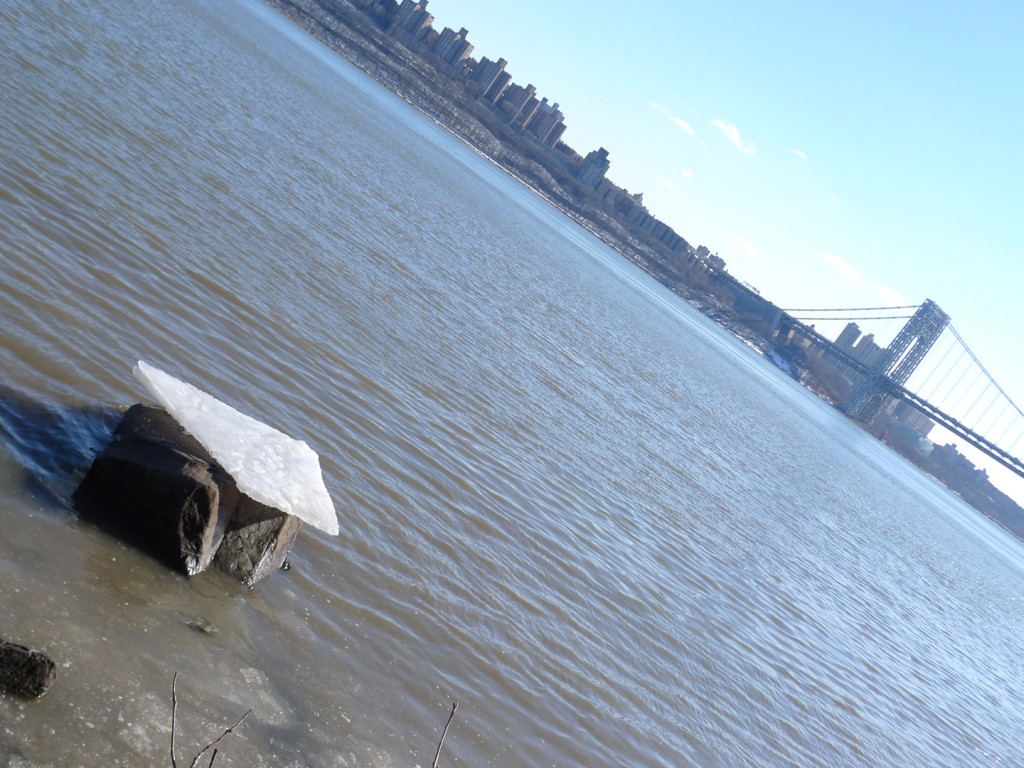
(23, 671)
(158, 488)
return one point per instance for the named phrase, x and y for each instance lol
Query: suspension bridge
(928, 366)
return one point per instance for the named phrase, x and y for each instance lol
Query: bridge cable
(853, 309)
(1009, 423)
(840, 319)
(985, 370)
(984, 391)
(964, 372)
(951, 348)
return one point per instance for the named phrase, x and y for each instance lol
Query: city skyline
(841, 183)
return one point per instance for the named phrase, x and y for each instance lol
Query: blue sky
(834, 154)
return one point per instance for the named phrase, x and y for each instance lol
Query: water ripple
(565, 500)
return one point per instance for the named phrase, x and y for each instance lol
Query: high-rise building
(452, 48)
(515, 100)
(555, 134)
(501, 82)
(544, 121)
(407, 9)
(486, 72)
(593, 168)
(848, 337)
(412, 22)
(912, 417)
(526, 114)
(867, 351)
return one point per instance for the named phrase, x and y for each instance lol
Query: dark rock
(157, 487)
(23, 671)
(257, 541)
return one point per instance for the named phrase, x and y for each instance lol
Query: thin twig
(455, 705)
(174, 707)
(217, 741)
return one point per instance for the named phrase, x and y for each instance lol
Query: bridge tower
(899, 360)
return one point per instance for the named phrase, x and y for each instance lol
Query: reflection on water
(54, 443)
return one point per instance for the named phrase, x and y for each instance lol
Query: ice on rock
(267, 465)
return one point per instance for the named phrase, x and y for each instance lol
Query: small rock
(23, 671)
(199, 624)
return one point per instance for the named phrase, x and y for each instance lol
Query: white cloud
(745, 245)
(677, 121)
(845, 269)
(667, 183)
(799, 153)
(686, 173)
(891, 297)
(732, 133)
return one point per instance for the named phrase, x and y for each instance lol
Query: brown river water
(612, 533)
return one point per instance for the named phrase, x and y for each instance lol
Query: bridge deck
(891, 389)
